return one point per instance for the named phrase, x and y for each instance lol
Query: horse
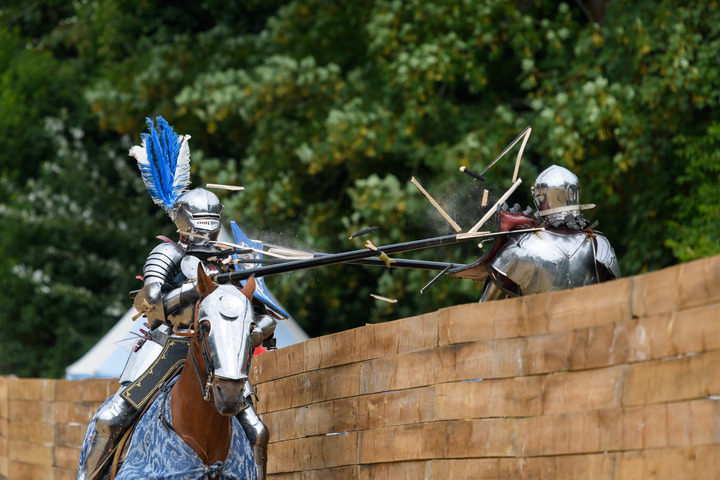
(190, 429)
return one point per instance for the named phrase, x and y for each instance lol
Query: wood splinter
(436, 205)
(224, 187)
(384, 299)
(383, 256)
(191, 234)
(491, 212)
(445, 270)
(364, 231)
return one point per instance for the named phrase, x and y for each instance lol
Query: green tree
(325, 109)
(71, 248)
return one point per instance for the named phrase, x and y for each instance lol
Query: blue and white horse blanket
(158, 453)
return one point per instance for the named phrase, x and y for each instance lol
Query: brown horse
(205, 426)
(195, 434)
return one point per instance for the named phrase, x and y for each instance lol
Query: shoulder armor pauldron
(605, 255)
(163, 263)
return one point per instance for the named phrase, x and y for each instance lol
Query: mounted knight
(168, 298)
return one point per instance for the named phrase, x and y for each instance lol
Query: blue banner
(261, 291)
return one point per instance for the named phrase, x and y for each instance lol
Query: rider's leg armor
(111, 420)
(256, 432)
(117, 414)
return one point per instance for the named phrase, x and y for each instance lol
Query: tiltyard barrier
(615, 381)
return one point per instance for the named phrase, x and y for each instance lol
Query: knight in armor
(167, 299)
(566, 254)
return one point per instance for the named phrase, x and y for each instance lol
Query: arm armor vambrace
(179, 298)
(157, 306)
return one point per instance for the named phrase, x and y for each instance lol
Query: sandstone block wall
(611, 382)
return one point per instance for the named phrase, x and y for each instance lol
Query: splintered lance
(333, 258)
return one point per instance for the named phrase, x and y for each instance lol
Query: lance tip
(472, 174)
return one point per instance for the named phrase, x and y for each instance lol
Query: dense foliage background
(324, 110)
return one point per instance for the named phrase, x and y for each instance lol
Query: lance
(374, 262)
(356, 255)
(295, 254)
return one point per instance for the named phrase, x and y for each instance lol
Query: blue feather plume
(164, 162)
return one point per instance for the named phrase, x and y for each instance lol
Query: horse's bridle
(199, 335)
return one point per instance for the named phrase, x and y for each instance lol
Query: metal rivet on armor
(230, 306)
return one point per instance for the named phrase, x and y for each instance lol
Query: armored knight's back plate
(547, 261)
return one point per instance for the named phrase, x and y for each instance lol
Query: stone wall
(615, 381)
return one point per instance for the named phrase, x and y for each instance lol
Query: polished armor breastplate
(547, 261)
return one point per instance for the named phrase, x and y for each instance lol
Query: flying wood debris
(224, 187)
(363, 232)
(491, 212)
(289, 253)
(384, 299)
(422, 290)
(191, 234)
(472, 174)
(524, 135)
(436, 205)
(383, 256)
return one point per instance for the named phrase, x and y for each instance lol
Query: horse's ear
(249, 287)
(205, 286)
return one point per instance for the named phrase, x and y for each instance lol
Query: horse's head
(226, 324)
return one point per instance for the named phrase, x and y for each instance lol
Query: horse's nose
(226, 392)
(229, 397)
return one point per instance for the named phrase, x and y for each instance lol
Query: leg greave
(257, 433)
(111, 421)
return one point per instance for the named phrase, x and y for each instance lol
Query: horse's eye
(205, 326)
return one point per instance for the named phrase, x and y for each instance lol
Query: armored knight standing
(564, 255)
(169, 295)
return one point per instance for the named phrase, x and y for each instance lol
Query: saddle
(167, 365)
